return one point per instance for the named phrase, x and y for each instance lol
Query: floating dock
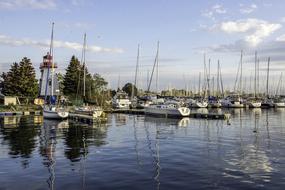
(20, 113)
(225, 116)
(85, 118)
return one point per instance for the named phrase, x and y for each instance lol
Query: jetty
(224, 116)
(86, 118)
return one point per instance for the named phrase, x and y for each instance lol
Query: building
(49, 81)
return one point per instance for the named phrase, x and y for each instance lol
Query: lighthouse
(48, 81)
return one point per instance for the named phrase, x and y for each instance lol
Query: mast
(258, 77)
(157, 67)
(255, 73)
(222, 86)
(241, 73)
(155, 63)
(50, 59)
(267, 78)
(137, 67)
(199, 90)
(84, 66)
(218, 80)
(209, 77)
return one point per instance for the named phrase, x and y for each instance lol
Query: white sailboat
(254, 102)
(267, 102)
(94, 111)
(167, 109)
(235, 100)
(51, 110)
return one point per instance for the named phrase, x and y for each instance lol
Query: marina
(142, 95)
(148, 151)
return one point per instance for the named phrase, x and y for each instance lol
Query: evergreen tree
(71, 78)
(128, 89)
(28, 85)
(20, 80)
(10, 79)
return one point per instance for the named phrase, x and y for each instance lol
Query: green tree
(60, 79)
(71, 77)
(10, 80)
(28, 84)
(20, 80)
(128, 88)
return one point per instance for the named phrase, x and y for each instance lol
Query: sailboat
(214, 101)
(254, 102)
(235, 100)
(50, 109)
(95, 112)
(267, 102)
(161, 107)
(279, 101)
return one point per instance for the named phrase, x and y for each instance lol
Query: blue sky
(185, 28)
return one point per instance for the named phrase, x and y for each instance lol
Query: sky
(185, 29)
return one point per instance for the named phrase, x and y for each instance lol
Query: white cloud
(219, 9)
(247, 9)
(30, 4)
(281, 38)
(6, 40)
(256, 30)
(215, 9)
(283, 19)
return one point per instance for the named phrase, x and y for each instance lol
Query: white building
(47, 68)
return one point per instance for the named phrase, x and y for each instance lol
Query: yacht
(167, 109)
(232, 102)
(121, 100)
(197, 103)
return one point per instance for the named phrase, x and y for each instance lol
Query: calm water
(138, 152)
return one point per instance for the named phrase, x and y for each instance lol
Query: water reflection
(251, 159)
(47, 148)
(184, 122)
(21, 140)
(146, 152)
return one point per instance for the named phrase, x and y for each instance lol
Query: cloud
(6, 40)
(29, 4)
(274, 49)
(247, 9)
(219, 9)
(215, 9)
(281, 38)
(256, 30)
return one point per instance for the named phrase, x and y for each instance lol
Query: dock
(224, 116)
(84, 118)
(21, 113)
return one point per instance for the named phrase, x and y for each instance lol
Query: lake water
(139, 152)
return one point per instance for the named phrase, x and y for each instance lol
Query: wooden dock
(84, 118)
(20, 113)
(224, 116)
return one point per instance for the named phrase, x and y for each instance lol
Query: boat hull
(254, 104)
(55, 114)
(167, 112)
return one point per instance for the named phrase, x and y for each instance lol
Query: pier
(224, 116)
(20, 113)
(85, 118)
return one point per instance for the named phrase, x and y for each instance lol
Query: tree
(28, 84)
(10, 80)
(71, 77)
(128, 88)
(20, 80)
